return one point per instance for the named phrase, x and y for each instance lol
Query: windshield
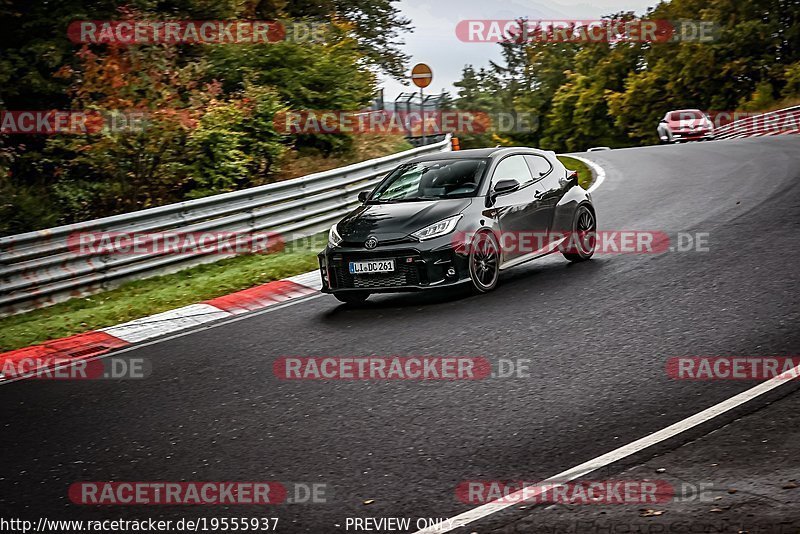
(686, 115)
(431, 180)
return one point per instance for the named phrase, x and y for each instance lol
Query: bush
(234, 144)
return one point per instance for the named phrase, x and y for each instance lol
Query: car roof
(684, 111)
(496, 152)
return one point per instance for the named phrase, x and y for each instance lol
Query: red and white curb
(98, 342)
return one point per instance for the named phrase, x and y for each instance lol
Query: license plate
(375, 266)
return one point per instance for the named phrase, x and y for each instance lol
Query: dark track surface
(748, 471)
(598, 335)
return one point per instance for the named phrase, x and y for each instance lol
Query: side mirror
(363, 196)
(663, 121)
(505, 186)
(572, 177)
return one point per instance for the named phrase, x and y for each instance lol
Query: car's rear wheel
(352, 297)
(484, 262)
(583, 238)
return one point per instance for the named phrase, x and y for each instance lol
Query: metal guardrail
(778, 122)
(40, 268)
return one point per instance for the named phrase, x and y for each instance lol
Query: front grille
(405, 274)
(401, 241)
(376, 280)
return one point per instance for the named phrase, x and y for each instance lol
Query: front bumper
(416, 268)
(692, 135)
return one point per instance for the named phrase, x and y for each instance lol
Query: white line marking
(610, 457)
(599, 172)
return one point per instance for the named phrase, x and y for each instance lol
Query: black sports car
(458, 217)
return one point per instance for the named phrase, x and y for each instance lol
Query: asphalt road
(741, 478)
(597, 334)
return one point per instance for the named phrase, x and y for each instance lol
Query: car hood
(396, 221)
(689, 123)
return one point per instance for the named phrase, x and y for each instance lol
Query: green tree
(375, 25)
(615, 93)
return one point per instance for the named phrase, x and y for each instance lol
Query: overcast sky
(434, 42)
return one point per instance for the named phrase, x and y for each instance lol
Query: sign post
(422, 76)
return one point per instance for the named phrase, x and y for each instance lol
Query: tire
(484, 262)
(583, 239)
(352, 297)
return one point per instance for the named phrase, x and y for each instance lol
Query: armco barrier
(38, 268)
(779, 122)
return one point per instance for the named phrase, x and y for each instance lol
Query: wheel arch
(567, 206)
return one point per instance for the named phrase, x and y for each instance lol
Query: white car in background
(685, 125)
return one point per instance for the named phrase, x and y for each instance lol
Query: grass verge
(585, 177)
(140, 298)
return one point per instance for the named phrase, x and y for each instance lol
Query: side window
(539, 166)
(512, 168)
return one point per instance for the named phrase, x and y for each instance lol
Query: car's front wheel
(352, 297)
(583, 238)
(484, 262)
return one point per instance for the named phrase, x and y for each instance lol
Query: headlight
(440, 228)
(333, 237)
